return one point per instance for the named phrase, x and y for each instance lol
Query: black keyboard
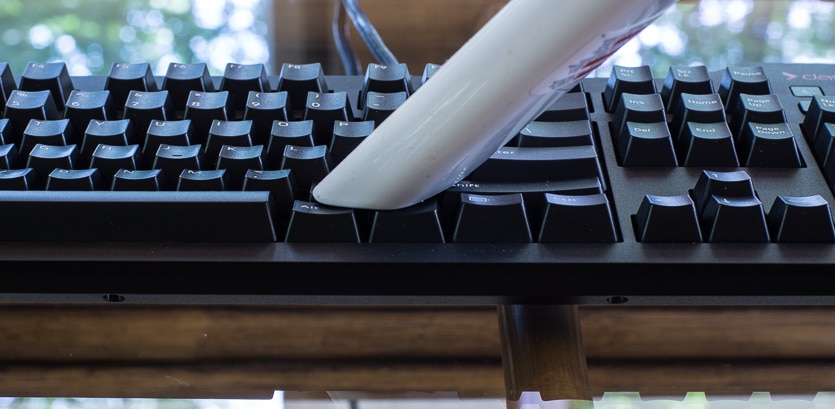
(696, 187)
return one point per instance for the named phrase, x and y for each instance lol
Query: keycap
(109, 159)
(734, 220)
(324, 110)
(24, 106)
(118, 132)
(175, 132)
(137, 216)
(646, 144)
(7, 84)
(203, 109)
(632, 80)
(51, 132)
(667, 219)
(821, 110)
(142, 107)
(572, 106)
(313, 222)
(823, 150)
(43, 159)
(85, 106)
(126, 77)
(492, 218)
(241, 79)
(707, 145)
(283, 133)
(801, 219)
(180, 80)
(238, 160)
(74, 180)
(685, 79)
(419, 223)
(139, 180)
(738, 80)
(299, 79)
(173, 159)
(309, 163)
(202, 180)
(701, 108)
(6, 133)
(577, 219)
(768, 145)
(19, 179)
(379, 105)
(280, 183)
(643, 108)
(226, 133)
(514, 164)
(429, 70)
(49, 76)
(9, 156)
(762, 109)
(735, 183)
(346, 137)
(540, 134)
(262, 108)
(385, 79)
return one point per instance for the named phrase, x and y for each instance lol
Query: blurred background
(90, 35)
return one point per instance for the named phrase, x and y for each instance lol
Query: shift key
(515, 164)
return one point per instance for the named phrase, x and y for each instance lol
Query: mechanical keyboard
(697, 187)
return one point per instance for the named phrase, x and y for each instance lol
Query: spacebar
(136, 216)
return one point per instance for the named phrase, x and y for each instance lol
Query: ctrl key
(801, 219)
(670, 219)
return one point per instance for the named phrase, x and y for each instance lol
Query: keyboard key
(762, 109)
(379, 105)
(429, 70)
(238, 160)
(126, 77)
(572, 106)
(74, 180)
(85, 106)
(346, 137)
(173, 159)
(734, 220)
(419, 223)
(296, 133)
(109, 159)
(7, 84)
(50, 76)
(262, 108)
(24, 106)
(143, 107)
(299, 79)
(45, 158)
(19, 179)
(736, 184)
(701, 108)
(738, 80)
(667, 219)
(280, 183)
(182, 79)
(801, 219)
(203, 109)
(119, 132)
(203, 180)
(638, 108)
(824, 148)
(513, 164)
(707, 145)
(313, 222)
(540, 134)
(176, 132)
(821, 110)
(139, 180)
(632, 80)
(9, 156)
(241, 79)
(768, 145)
(309, 164)
(137, 216)
(6, 133)
(386, 79)
(646, 144)
(52, 132)
(492, 218)
(577, 219)
(685, 79)
(324, 110)
(226, 133)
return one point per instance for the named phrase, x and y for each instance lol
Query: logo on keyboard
(811, 77)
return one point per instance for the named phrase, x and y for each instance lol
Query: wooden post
(542, 355)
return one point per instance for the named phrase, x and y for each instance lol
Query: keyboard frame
(627, 272)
